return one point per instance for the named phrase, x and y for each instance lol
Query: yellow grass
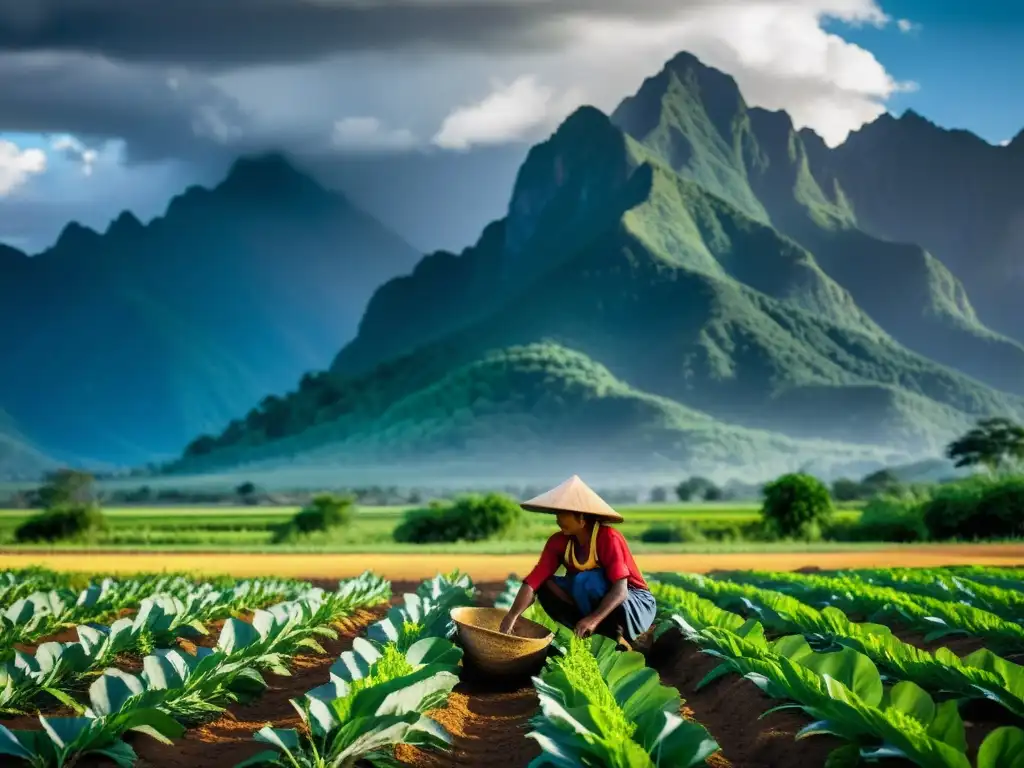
(498, 567)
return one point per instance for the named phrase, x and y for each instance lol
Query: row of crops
(174, 688)
(891, 665)
(603, 707)
(794, 637)
(379, 693)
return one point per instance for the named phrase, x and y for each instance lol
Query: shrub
(891, 518)
(470, 518)
(976, 509)
(65, 521)
(713, 493)
(796, 505)
(845, 489)
(324, 512)
(681, 532)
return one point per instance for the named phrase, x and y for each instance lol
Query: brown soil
(68, 635)
(488, 726)
(488, 718)
(415, 567)
(730, 707)
(228, 740)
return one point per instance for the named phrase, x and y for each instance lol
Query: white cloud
(363, 134)
(77, 152)
(1005, 142)
(779, 53)
(18, 165)
(906, 26)
(510, 112)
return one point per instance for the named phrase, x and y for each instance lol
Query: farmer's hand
(508, 623)
(585, 627)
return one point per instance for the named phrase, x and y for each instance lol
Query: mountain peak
(1017, 142)
(581, 164)
(684, 85)
(911, 116)
(271, 173)
(125, 224)
(76, 236)
(715, 85)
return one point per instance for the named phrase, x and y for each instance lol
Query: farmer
(603, 591)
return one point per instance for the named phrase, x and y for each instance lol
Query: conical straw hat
(573, 496)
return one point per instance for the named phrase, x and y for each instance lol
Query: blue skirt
(587, 589)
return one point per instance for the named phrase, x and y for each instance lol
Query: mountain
(127, 343)
(948, 190)
(672, 253)
(694, 118)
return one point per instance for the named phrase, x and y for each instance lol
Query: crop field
(251, 529)
(750, 669)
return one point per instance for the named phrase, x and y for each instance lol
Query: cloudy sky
(113, 104)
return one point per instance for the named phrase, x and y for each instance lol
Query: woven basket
(496, 653)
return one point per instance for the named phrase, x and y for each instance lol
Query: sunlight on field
(498, 567)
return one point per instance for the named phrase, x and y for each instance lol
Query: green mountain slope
(131, 341)
(694, 118)
(949, 190)
(539, 404)
(705, 315)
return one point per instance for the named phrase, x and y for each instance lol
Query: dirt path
(488, 727)
(415, 567)
(488, 720)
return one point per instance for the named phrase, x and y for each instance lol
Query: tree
(247, 492)
(659, 495)
(693, 487)
(713, 493)
(66, 486)
(992, 443)
(794, 503)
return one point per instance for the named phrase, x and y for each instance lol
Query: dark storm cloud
(158, 115)
(224, 33)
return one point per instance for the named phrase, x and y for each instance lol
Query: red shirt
(613, 556)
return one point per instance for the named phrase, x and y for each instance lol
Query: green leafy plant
(603, 707)
(841, 691)
(980, 675)
(377, 694)
(118, 703)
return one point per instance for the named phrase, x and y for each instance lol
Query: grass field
(252, 529)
